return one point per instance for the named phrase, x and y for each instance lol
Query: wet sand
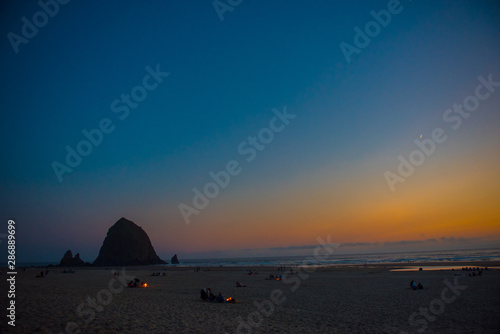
(342, 299)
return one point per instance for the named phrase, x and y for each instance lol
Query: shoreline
(331, 267)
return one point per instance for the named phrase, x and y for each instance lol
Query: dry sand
(347, 299)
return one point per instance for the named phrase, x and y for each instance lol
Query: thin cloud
(461, 239)
(293, 247)
(403, 242)
(359, 244)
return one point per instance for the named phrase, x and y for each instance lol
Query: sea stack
(69, 261)
(126, 244)
(174, 259)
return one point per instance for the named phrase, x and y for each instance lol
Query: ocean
(392, 258)
(473, 255)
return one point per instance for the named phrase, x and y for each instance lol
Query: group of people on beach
(158, 274)
(208, 296)
(136, 283)
(273, 277)
(252, 272)
(42, 274)
(474, 269)
(416, 286)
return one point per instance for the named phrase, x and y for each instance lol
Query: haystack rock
(69, 261)
(126, 244)
(174, 259)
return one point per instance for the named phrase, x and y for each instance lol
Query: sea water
(390, 258)
(443, 257)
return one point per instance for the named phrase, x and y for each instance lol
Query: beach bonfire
(144, 285)
(230, 300)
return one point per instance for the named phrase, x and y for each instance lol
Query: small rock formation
(126, 244)
(69, 261)
(174, 260)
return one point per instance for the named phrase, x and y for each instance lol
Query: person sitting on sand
(239, 285)
(134, 283)
(420, 286)
(203, 295)
(413, 285)
(220, 299)
(211, 296)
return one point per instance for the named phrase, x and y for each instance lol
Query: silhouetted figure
(203, 295)
(220, 299)
(211, 296)
(420, 286)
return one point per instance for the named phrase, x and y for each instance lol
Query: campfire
(230, 300)
(144, 285)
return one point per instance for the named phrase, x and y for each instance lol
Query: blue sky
(353, 119)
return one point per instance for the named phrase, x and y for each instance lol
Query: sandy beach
(341, 299)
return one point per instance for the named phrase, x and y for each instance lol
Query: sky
(308, 112)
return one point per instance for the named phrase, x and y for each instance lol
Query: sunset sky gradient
(322, 175)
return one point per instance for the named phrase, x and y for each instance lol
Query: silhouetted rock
(174, 259)
(126, 244)
(69, 261)
(77, 258)
(67, 258)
